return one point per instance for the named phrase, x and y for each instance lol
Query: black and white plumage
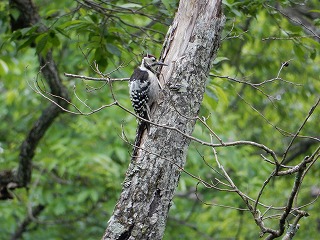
(144, 86)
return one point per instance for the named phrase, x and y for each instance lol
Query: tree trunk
(151, 179)
(29, 16)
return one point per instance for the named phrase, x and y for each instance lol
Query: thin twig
(311, 111)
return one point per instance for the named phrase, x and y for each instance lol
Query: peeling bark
(151, 179)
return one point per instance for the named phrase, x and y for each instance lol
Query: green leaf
(298, 51)
(11, 95)
(16, 35)
(121, 153)
(83, 195)
(313, 54)
(316, 22)
(14, 13)
(3, 67)
(62, 31)
(166, 3)
(130, 5)
(315, 11)
(94, 195)
(83, 12)
(72, 23)
(52, 12)
(29, 30)
(59, 208)
(27, 43)
(113, 49)
(220, 59)
(212, 93)
(41, 42)
(54, 39)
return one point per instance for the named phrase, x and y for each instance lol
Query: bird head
(150, 62)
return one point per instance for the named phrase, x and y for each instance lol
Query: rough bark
(151, 179)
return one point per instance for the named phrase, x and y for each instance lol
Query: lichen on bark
(152, 177)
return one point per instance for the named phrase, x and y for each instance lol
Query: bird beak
(161, 63)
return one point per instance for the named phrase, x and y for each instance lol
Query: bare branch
(300, 128)
(26, 222)
(308, 27)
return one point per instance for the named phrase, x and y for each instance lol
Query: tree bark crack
(126, 235)
(155, 202)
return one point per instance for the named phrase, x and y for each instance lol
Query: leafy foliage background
(80, 164)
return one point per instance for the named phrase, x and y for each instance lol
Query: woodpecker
(144, 86)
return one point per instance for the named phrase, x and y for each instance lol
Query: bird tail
(140, 129)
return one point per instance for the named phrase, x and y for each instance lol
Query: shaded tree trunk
(28, 16)
(151, 179)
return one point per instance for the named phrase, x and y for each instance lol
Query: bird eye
(153, 59)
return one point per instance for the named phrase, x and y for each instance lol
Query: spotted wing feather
(139, 87)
